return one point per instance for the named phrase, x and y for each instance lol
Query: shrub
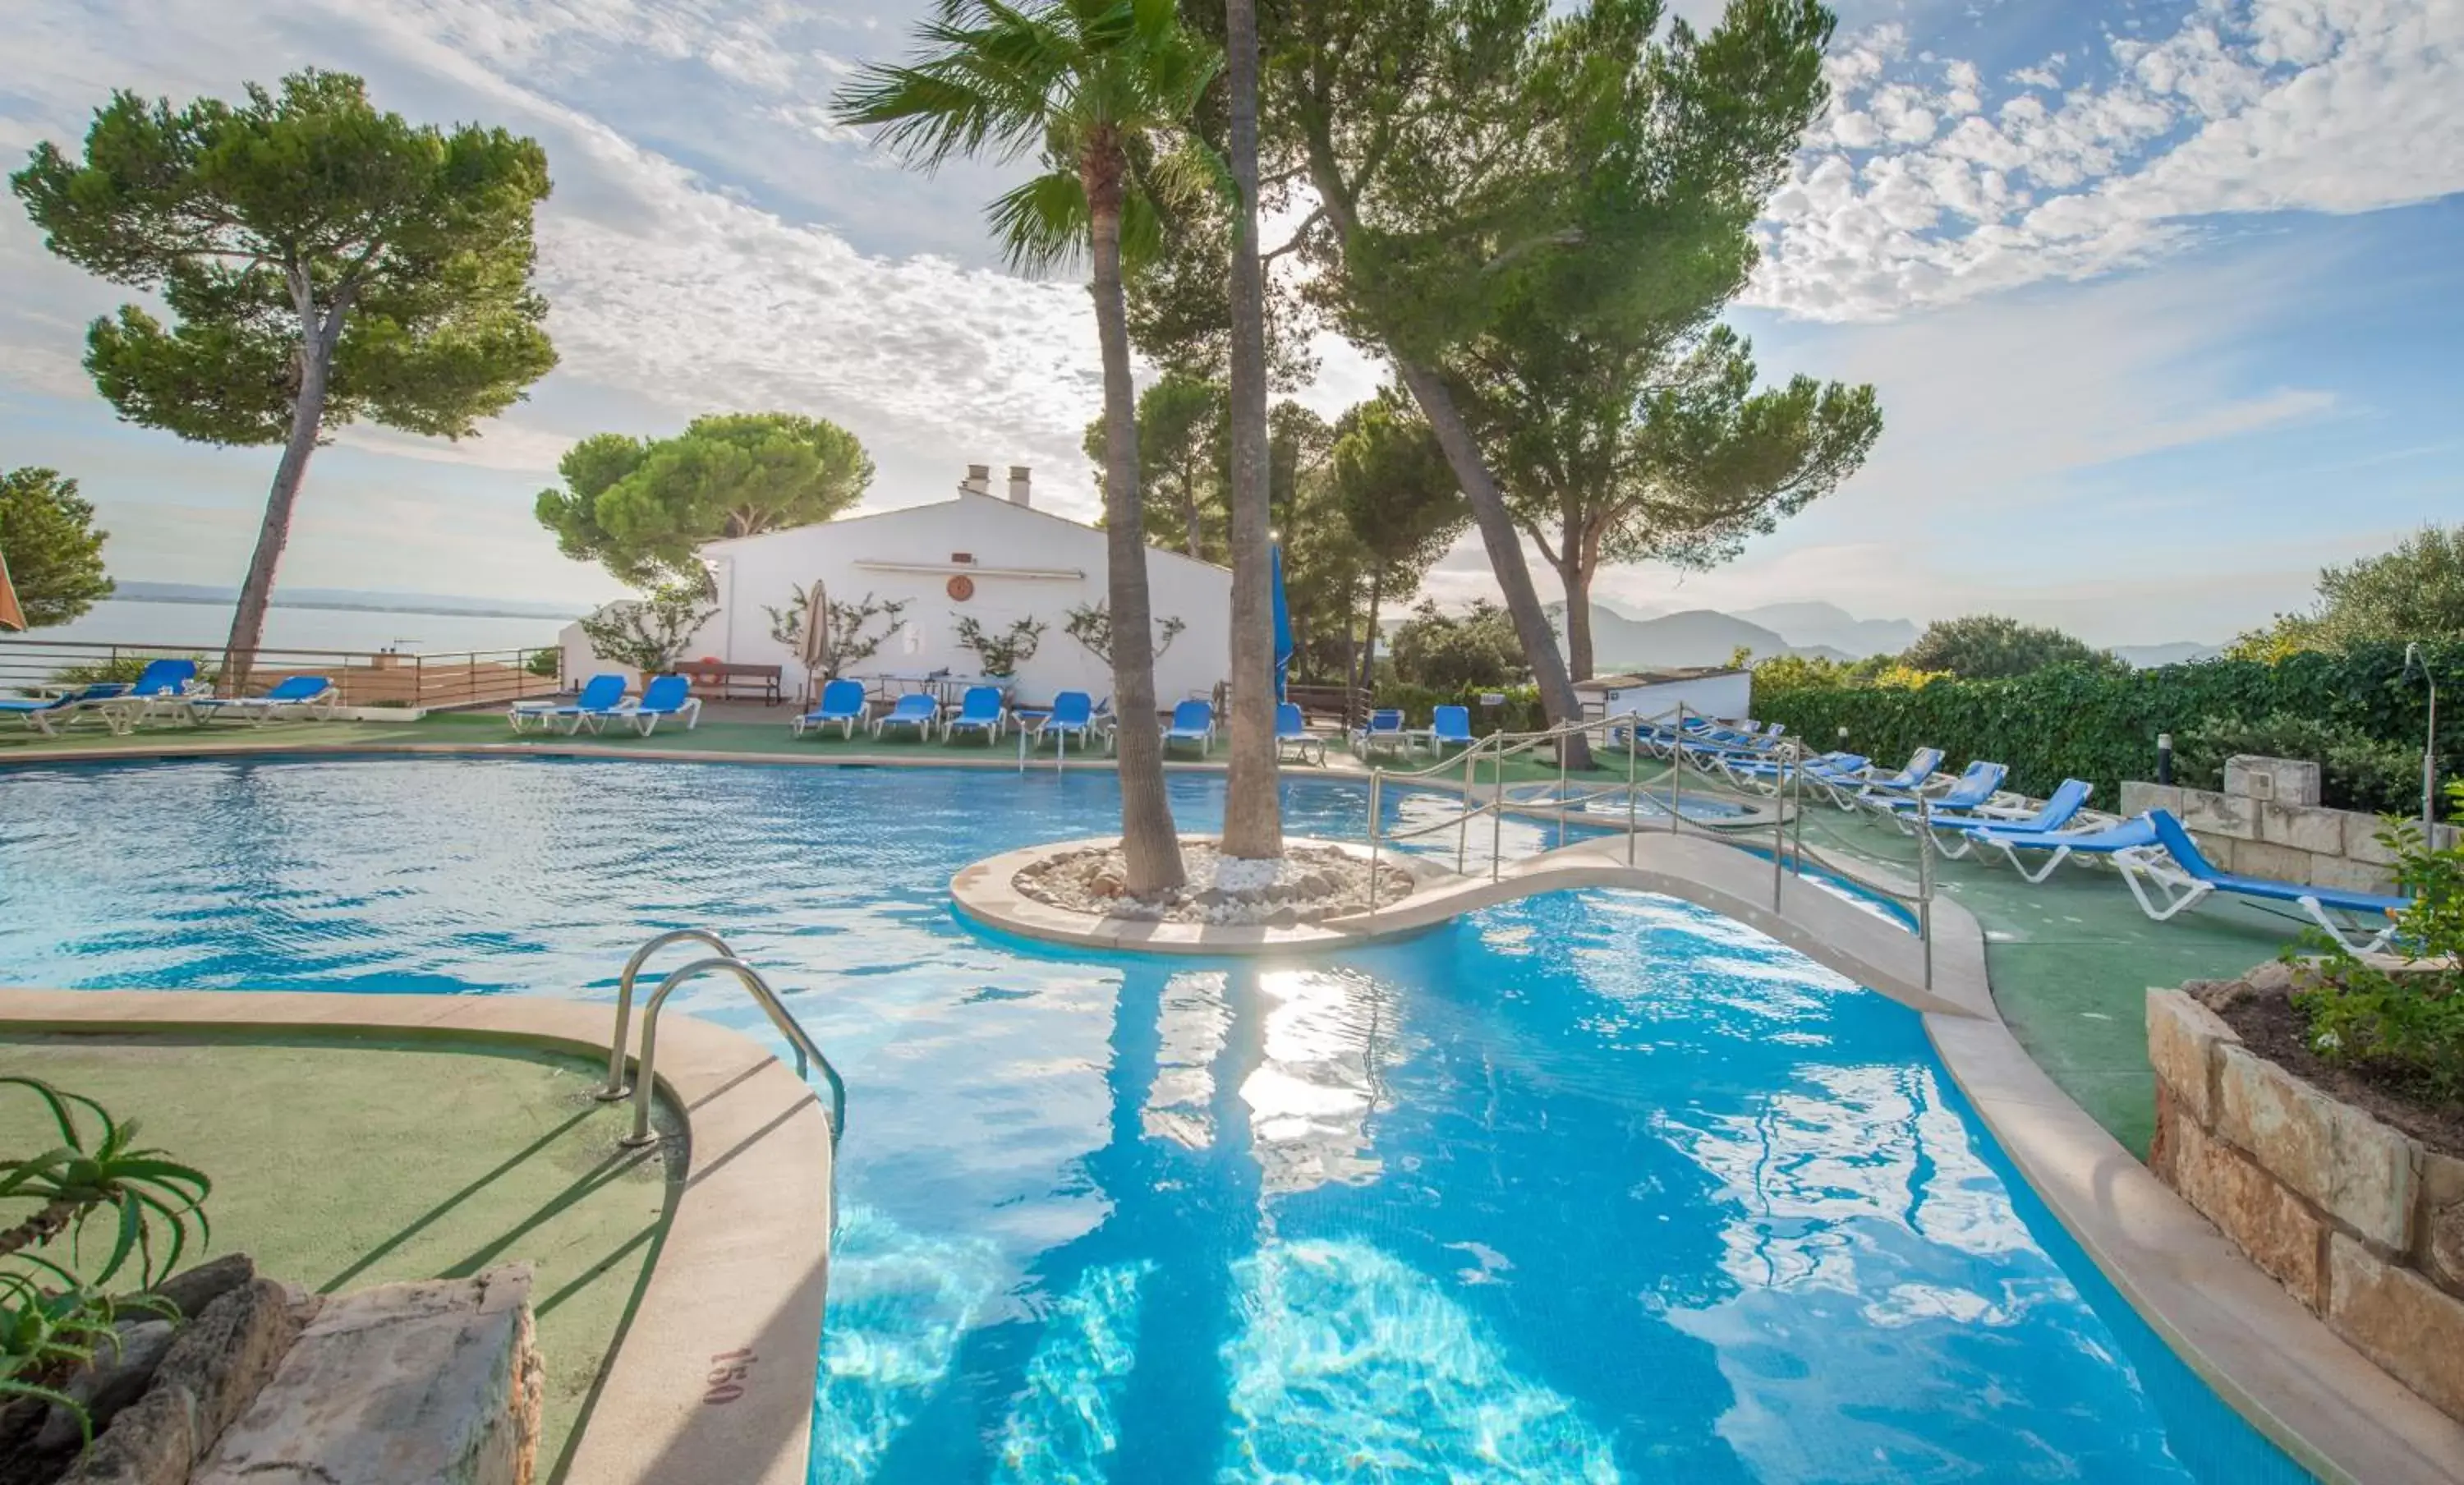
(1522, 711)
(1989, 647)
(2101, 725)
(2407, 1027)
(547, 663)
(123, 670)
(2356, 771)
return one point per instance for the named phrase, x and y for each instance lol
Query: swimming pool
(1586, 1187)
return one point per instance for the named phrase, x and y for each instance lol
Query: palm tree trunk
(1253, 822)
(318, 336)
(1150, 842)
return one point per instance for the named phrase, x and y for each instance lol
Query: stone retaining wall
(2279, 840)
(2357, 1219)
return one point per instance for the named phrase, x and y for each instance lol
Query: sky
(2163, 302)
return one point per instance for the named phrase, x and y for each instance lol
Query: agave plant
(143, 1189)
(49, 1329)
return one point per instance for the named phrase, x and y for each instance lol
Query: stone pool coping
(744, 1263)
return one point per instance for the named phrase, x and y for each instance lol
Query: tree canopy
(1456, 652)
(1399, 497)
(322, 263)
(1565, 143)
(2416, 591)
(641, 507)
(50, 546)
(1990, 647)
(1182, 460)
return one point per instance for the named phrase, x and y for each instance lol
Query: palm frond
(1041, 225)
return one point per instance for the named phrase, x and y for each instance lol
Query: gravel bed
(1308, 883)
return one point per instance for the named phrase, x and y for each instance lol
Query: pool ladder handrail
(808, 1052)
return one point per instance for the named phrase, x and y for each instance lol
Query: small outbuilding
(976, 556)
(1720, 693)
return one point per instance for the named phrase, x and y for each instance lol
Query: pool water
(1587, 1187)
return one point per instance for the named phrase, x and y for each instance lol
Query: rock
(1283, 917)
(1107, 885)
(211, 1373)
(194, 1289)
(437, 1381)
(1212, 897)
(117, 1377)
(2359, 1170)
(2273, 978)
(2400, 1321)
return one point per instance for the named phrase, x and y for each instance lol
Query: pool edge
(749, 1234)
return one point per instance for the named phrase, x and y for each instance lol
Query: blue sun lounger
(44, 713)
(161, 689)
(307, 695)
(981, 710)
(1385, 729)
(1450, 724)
(1073, 716)
(599, 696)
(1955, 834)
(1291, 731)
(1973, 789)
(920, 711)
(665, 697)
(842, 706)
(1192, 721)
(2172, 882)
(1771, 775)
(2109, 841)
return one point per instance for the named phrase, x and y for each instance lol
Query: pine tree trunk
(318, 338)
(1369, 652)
(1577, 578)
(1504, 545)
(1253, 821)
(1149, 841)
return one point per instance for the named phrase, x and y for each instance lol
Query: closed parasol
(815, 653)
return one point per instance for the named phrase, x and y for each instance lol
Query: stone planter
(2359, 1220)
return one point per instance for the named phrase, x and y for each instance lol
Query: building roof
(1657, 678)
(900, 512)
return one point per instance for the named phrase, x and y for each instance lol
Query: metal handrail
(616, 1087)
(1790, 752)
(808, 1055)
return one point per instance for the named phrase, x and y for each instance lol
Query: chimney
(978, 480)
(1019, 493)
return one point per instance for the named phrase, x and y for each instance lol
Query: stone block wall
(2359, 1220)
(2286, 842)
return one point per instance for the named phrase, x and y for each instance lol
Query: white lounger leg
(2318, 914)
(2147, 883)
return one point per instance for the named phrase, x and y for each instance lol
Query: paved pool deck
(2070, 960)
(344, 1164)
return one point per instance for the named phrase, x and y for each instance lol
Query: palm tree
(1253, 825)
(1102, 92)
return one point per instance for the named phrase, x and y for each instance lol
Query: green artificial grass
(336, 1165)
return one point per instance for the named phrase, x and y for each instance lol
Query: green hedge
(1521, 713)
(2074, 723)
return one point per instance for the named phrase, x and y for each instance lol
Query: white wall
(769, 569)
(1727, 697)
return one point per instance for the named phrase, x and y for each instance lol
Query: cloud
(1916, 192)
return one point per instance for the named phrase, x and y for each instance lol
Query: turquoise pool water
(1591, 1187)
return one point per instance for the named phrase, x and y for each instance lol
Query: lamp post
(2429, 745)
(2165, 758)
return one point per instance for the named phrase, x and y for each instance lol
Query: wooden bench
(718, 681)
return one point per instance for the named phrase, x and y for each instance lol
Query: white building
(993, 560)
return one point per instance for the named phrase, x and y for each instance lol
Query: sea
(206, 626)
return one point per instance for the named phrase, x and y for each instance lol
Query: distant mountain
(1688, 638)
(1822, 626)
(352, 599)
(2182, 652)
